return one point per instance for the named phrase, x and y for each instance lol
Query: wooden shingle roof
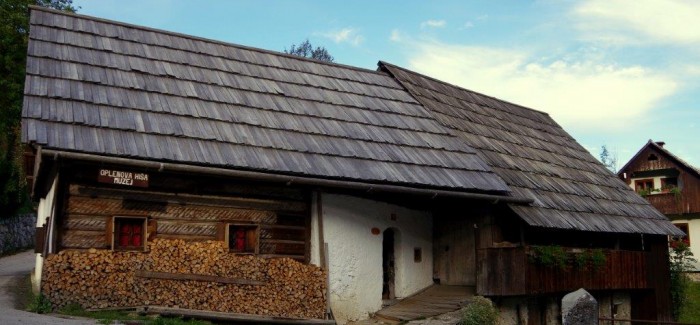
(538, 159)
(113, 89)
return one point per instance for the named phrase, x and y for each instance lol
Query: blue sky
(610, 73)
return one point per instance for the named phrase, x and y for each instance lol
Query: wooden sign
(110, 176)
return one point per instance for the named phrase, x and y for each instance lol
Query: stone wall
(17, 232)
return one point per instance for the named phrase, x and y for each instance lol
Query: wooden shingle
(537, 159)
(108, 88)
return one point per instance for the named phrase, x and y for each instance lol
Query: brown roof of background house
(538, 159)
(108, 88)
(659, 148)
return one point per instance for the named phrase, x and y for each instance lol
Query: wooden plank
(191, 199)
(230, 317)
(283, 241)
(40, 239)
(295, 257)
(194, 277)
(434, 300)
(267, 226)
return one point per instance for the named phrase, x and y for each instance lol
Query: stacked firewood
(104, 279)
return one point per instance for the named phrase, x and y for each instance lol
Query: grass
(109, 316)
(691, 312)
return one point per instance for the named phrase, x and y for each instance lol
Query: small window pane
(129, 233)
(243, 238)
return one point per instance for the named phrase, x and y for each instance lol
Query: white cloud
(395, 36)
(432, 23)
(623, 22)
(576, 92)
(345, 35)
(467, 25)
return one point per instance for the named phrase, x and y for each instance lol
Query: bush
(480, 312)
(40, 305)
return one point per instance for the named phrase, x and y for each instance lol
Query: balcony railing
(666, 203)
(510, 271)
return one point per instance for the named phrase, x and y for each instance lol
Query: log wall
(178, 207)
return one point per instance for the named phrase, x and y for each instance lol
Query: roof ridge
(204, 39)
(462, 88)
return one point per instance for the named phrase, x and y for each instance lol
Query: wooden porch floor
(435, 300)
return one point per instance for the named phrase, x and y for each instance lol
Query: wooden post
(321, 241)
(329, 313)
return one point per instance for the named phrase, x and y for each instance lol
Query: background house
(670, 184)
(208, 171)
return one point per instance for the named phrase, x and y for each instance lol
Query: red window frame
(645, 184)
(243, 238)
(129, 233)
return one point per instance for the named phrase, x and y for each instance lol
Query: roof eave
(287, 179)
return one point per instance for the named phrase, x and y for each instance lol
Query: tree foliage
(681, 261)
(14, 32)
(305, 49)
(608, 159)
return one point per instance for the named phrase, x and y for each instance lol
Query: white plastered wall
(355, 254)
(45, 209)
(694, 235)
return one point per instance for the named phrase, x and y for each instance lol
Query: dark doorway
(388, 262)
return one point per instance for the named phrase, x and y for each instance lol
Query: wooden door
(454, 250)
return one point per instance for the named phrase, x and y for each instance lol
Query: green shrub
(550, 256)
(598, 259)
(480, 311)
(40, 305)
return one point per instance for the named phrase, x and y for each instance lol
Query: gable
(653, 157)
(111, 89)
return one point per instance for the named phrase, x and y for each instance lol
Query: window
(243, 239)
(417, 254)
(683, 227)
(646, 185)
(129, 233)
(669, 183)
(652, 157)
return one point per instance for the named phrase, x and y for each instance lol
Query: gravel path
(13, 270)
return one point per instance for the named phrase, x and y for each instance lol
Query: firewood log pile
(104, 279)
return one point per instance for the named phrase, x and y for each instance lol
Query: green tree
(14, 30)
(608, 159)
(307, 50)
(681, 261)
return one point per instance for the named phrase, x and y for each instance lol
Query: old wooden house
(177, 172)
(671, 185)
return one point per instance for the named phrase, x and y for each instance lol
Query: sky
(611, 73)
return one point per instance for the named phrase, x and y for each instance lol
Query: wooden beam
(195, 277)
(230, 317)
